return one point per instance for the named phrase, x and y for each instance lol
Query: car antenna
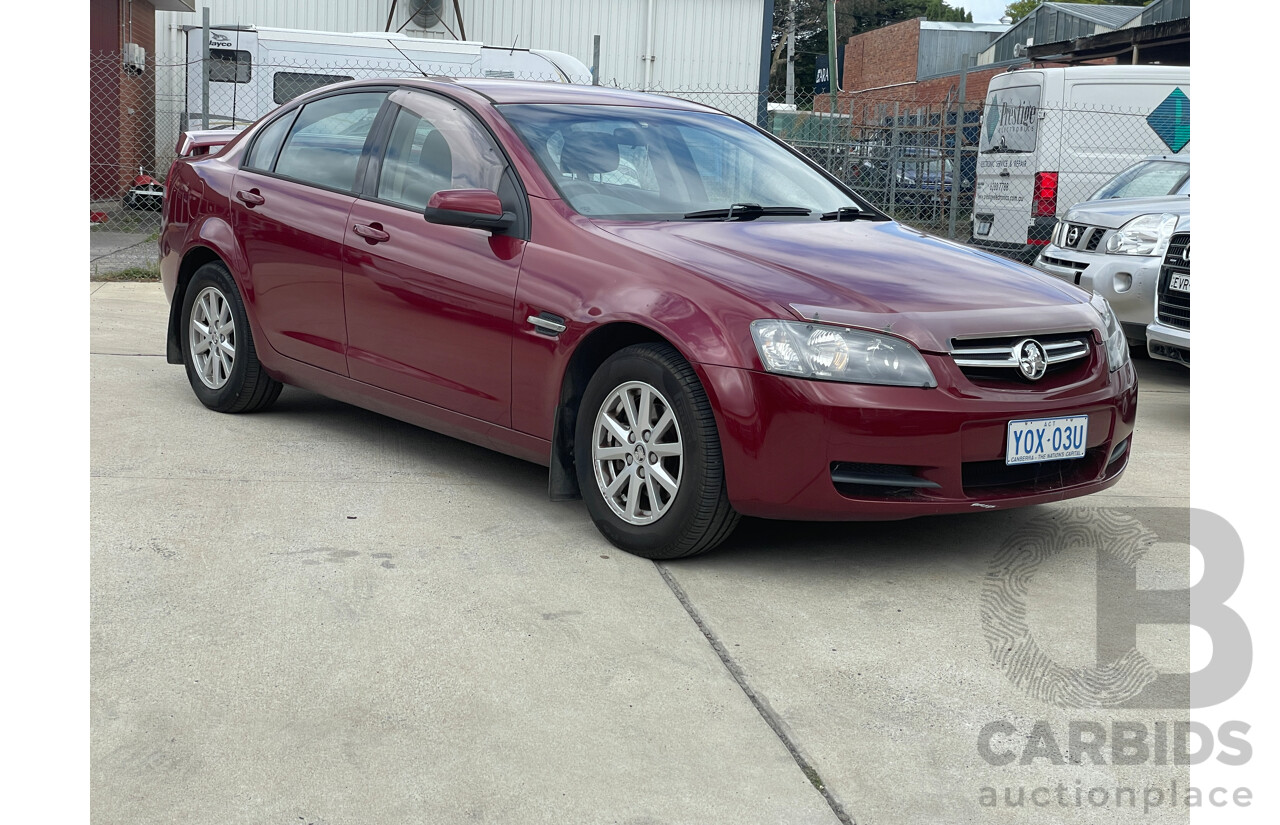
(513, 46)
(410, 59)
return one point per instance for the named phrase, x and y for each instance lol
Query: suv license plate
(1180, 283)
(1046, 439)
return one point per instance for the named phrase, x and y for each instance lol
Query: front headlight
(1117, 345)
(839, 354)
(1144, 235)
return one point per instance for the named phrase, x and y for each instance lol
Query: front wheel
(648, 456)
(217, 346)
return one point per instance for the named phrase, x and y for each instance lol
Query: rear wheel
(217, 346)
(648, 456)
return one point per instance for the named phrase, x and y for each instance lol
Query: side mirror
(473, 208)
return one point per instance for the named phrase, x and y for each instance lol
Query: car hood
(1113, 214)
(871, 274)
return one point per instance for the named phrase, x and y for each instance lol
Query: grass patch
(133, 273)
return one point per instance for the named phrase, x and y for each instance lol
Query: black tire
(697, 516)
(244, 386)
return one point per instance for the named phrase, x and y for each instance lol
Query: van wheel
(648, 457)
(217, 346)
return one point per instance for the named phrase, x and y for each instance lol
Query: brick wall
(122, 103)
(881, 57)
(889, 57)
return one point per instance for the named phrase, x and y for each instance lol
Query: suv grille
(993, 359)
(1079, 236)
(1173, 306)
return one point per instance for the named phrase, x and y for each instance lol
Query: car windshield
(1148, 179)
(661, 164)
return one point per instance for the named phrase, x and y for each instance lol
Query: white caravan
(1050, 137)
(252, 70)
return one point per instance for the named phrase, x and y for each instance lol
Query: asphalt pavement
(317, 614)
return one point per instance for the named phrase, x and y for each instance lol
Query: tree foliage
(852, 17)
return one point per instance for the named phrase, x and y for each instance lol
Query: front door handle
(373, 233)
(250, 198)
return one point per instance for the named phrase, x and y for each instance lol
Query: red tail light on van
(1045, 202)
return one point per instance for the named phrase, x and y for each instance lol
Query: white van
(1050, 137)
(254, 69)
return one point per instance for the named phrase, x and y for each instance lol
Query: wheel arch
(196, 257)
(592, 351)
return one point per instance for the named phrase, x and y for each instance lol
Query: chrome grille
(999, 353)
(1079, 236)
(1174, 307)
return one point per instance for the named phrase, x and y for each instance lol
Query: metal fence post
(893, 159)
(204, 71)
(595, 60)
(957, 168)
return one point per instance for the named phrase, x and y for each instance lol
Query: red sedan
(681, 317)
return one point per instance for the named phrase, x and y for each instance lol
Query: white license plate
(1179, 282)
(982, 228)
(1046, 439)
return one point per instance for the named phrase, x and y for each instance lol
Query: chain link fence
(909, 159)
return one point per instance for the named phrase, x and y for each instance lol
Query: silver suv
(1113, 244)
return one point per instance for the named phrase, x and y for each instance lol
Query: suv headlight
(1117, 344)
(1144, 235)
(838, 354)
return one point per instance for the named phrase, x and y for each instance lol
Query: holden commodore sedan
(679, 316)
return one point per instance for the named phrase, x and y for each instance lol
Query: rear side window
(267, 144)
(327, 139)
(285, 86)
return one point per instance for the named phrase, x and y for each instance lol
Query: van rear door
(1007, 150)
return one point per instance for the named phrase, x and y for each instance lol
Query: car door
(290, 203)
(429, 306)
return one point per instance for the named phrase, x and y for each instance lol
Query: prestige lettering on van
(1010, 120)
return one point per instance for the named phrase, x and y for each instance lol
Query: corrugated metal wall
(1162, 11)
(942, 51)
(706, 50)
(698, 44)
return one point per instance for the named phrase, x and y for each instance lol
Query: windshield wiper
(845, 213)
(746, 212)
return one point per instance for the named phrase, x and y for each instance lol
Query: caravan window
(288, 85)
(229, 66)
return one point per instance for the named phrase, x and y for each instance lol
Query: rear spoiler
(204, 141)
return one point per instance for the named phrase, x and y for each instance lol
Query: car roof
(501, 90)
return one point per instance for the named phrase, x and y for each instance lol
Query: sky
(984, 11)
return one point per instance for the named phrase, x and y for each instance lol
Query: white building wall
(703, 50)
(698, 45)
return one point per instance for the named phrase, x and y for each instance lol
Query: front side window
(662, 164)
(327, 139)
(435, 145)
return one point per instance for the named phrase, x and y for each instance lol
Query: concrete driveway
(320, 615)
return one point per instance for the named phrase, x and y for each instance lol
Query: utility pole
(791, 52)
(833, 67)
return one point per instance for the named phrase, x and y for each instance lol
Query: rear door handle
(373, 233)
(250, 198)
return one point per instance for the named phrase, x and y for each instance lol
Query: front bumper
(1106, 275)
(1166, 343)
(796, 449)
